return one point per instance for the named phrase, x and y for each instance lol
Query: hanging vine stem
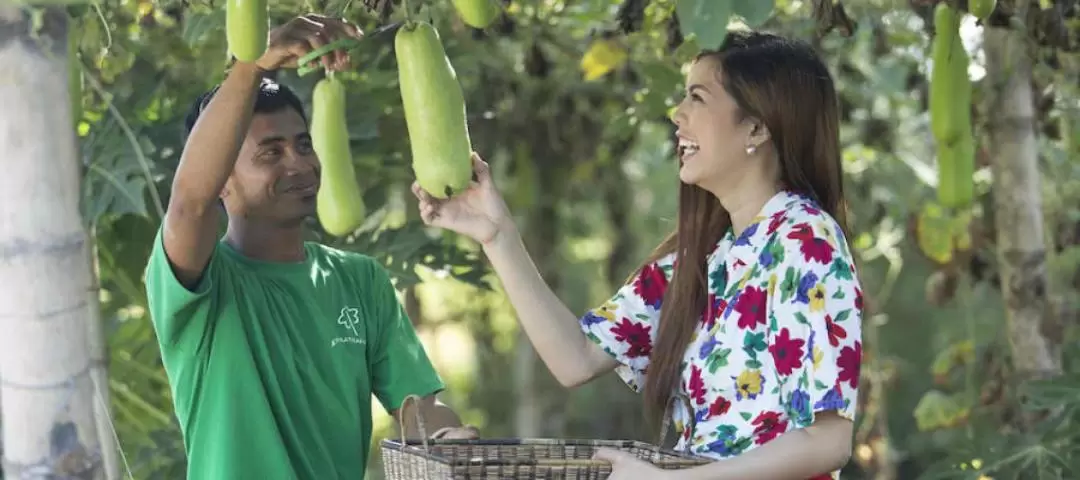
(408, 14)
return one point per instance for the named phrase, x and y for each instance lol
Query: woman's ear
(759, 133)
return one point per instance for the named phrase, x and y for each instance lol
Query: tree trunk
(45, 371)
(1021, 246)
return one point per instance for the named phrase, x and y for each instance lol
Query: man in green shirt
(274, 346)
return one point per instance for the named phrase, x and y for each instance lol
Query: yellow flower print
(818, 355)
(748, 384)
(742, 282)
(817, 297)
(607, 311)
(772, 284)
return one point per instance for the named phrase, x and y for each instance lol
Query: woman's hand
(479, 212)
(301, 36)
(626, 466)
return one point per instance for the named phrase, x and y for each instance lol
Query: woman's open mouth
(686, 149)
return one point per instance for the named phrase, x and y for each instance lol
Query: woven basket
(505, 459)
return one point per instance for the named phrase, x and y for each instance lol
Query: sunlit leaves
(753, 12)
(705, 20)
(938, 410)
(940, 232)
(603, 56)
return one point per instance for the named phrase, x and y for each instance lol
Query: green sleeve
(173, 307)
(399, 365)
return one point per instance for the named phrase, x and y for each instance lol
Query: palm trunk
(45, 370)
(1017, 194)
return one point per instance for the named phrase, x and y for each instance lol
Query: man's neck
(267, 243)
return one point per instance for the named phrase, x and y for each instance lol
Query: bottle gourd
(246, 28)
(339, 204)
(950, 111)
(434, 111)
(981, 9)
(477, 13)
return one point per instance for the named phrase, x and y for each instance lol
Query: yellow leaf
(603, 56)
(937, 410)
(934, 233)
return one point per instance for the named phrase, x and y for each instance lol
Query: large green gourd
(949, 75)
(339, 204)
(477, 13)
(434, 111)
(956, 172)
(981, 9)
(950, 110)
(246, 28)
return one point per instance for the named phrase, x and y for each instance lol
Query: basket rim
(415, 447)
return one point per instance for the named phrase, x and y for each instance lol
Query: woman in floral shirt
(757, 322)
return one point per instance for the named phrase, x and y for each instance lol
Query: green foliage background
(587, 168)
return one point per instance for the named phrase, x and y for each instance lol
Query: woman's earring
(750, 150)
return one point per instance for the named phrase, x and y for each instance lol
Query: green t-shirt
(272, 365)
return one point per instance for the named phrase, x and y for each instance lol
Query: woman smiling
(751, 308)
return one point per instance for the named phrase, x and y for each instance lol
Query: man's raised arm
(190, 230)
(191, 221)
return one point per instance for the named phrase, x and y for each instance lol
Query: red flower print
(650, 285)
(768, 426)
(636, 334)
(812, 247)
(696, 385)
(836, 332)
(751, 307)
(719, 406)
(858, 299)
(775, 222)
(850, 363)
(787, 352)
(812, 210)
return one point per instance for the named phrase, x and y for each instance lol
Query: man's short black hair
(273, 97)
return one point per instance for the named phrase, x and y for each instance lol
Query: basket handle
(669, 414)
(419, 421)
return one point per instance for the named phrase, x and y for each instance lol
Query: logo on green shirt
(350, 319)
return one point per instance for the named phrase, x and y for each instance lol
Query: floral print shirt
(780, 341)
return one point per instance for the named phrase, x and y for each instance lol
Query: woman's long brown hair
(786, 86)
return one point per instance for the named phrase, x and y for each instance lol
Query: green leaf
(718, 359)
(706, 20)
(114, 182)
(753, 12)
(802, 318)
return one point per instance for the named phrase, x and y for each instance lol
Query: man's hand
(467, 432)
(304, 34)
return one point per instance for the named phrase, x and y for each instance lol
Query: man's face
(276, 177)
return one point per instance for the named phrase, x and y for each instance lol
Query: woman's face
(712, 140)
